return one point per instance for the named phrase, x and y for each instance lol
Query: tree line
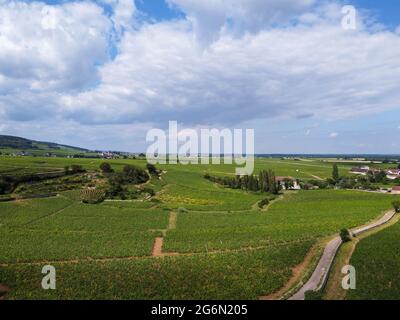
(264, 182)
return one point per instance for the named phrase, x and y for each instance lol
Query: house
(360, 170)
(282, 182)
(396, 190)
(107, 155)
(393, 174)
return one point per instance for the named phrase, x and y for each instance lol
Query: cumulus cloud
(303, 71)
(52, 47)
(210, 17)
(54, 62)
(48, 50)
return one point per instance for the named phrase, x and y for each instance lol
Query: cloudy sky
(99, 74)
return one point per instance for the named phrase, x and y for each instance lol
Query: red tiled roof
(278, 178)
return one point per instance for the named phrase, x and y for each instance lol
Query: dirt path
(320, 274)
(159, 241)
(3, 290)
(316, 177)
(313, 175)
(157, 249)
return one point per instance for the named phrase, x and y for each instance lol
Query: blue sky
(100, 74)
(386, 11)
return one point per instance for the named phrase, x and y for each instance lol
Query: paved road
(320, 274)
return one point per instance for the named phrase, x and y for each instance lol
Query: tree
(75, 168)
(288, 183)
(396, 206)
(106, 167)
(398, 167)
(261, 181)
(345, 235)
(335, 173)
(134, 175)
(273, 186)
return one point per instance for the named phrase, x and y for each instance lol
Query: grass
(22, 212)
(377, 265)
(80, 231)
(229, 249)
(244, 275)
(299, 216)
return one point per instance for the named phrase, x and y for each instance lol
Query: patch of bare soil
(157, 248)
(3, 290)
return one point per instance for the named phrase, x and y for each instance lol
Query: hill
(12, 144)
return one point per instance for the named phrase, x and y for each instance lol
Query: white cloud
(162, 73)
(45, 48)
(124, 12)
(209, 17)
(54, 63)
(333, 135)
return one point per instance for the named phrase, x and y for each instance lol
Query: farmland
(377, 265)
(217, 243)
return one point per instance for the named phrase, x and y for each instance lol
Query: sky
(100, 74)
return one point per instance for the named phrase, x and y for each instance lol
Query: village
(391, 174)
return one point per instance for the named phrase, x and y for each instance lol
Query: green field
(222, 246)
(377, 264)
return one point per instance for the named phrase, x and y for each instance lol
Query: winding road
(319, 277)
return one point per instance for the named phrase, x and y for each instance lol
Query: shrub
(92, 196)
(75, 168)
(105, 167)
(152, 169)
(149, 191)
(7, 184)
(263, 203)
(132, 174)
(345, 235)
(306, 186)
(313, 295)
(396, 206)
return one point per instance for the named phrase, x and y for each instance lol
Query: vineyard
(377, 264)
(216, 242)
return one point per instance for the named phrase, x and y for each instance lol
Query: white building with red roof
(393, 174)
(396, 190)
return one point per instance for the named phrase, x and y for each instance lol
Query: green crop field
(217, 243)
(377, 264)
(306, 215)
